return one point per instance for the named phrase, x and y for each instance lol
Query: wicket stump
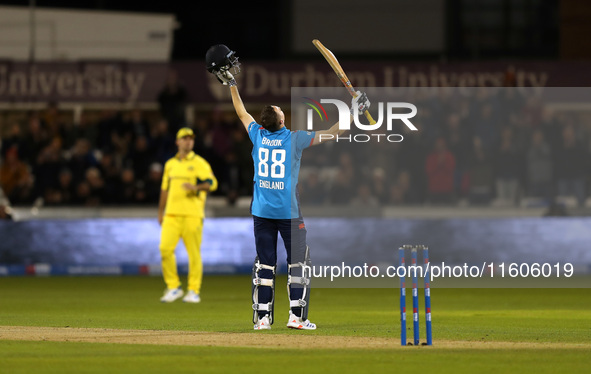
(415, 293)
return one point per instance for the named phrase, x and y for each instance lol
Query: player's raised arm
(221, 62)
(361, 102)
(244, 116)
(227, 79)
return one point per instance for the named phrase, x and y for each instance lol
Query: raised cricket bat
(334, 64)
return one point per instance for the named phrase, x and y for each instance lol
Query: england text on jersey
(271, 185)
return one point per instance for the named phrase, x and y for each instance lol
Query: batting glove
(225, 77)
(361, 102)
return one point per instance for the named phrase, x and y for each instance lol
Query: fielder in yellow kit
(186, 181)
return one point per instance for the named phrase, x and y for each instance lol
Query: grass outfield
(474, 330)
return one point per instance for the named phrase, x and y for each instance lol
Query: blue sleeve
(303, 139)
(253, 129)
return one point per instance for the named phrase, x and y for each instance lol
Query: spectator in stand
(15, 178)
(440, 169)
(402, 191)
(137, 125)
(89, 191)
(364, 198)
(313, 190)
(128, 187)
(110, 172)
(14, 137)
(81, 159)
(242, 148)
(35, 140)
(66, 187)
(64, 192)
(46, 170)
(231, 178)
(550, 127)
(320, 156)
(85, 129)
(172, 100)
(52, 122)
(96, 185)
(83, 195)
(511, 101)
(485, 126)
(539, 167)
(140, 157)
(458, 146)
(200, 131)
(107, 126)
(122, 138)
(221, 142)
(153, 183)
(570, 166)
(237, 174)
(379, 186)
(383, 158)
(341, 189)
(412, 158)
(163, 144)
(524, 122)
(508, 169)
(479, 178)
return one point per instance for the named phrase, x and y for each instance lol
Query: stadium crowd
(117, 159)
(480, 149)
(485, 147)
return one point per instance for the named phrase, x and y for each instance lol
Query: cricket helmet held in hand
(220, 57)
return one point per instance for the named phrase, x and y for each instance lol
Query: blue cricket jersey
(276, 157)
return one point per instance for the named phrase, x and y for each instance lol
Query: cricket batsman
(276, 154)
(186, 180)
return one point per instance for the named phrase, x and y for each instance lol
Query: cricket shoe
(171, 295)
(263, 323)
(192, 297)
(296, 322)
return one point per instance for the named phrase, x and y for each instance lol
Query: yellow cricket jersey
(192, 169)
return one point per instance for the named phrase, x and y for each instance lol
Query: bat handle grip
(369, 118)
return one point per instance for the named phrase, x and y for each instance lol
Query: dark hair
(270, 119)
